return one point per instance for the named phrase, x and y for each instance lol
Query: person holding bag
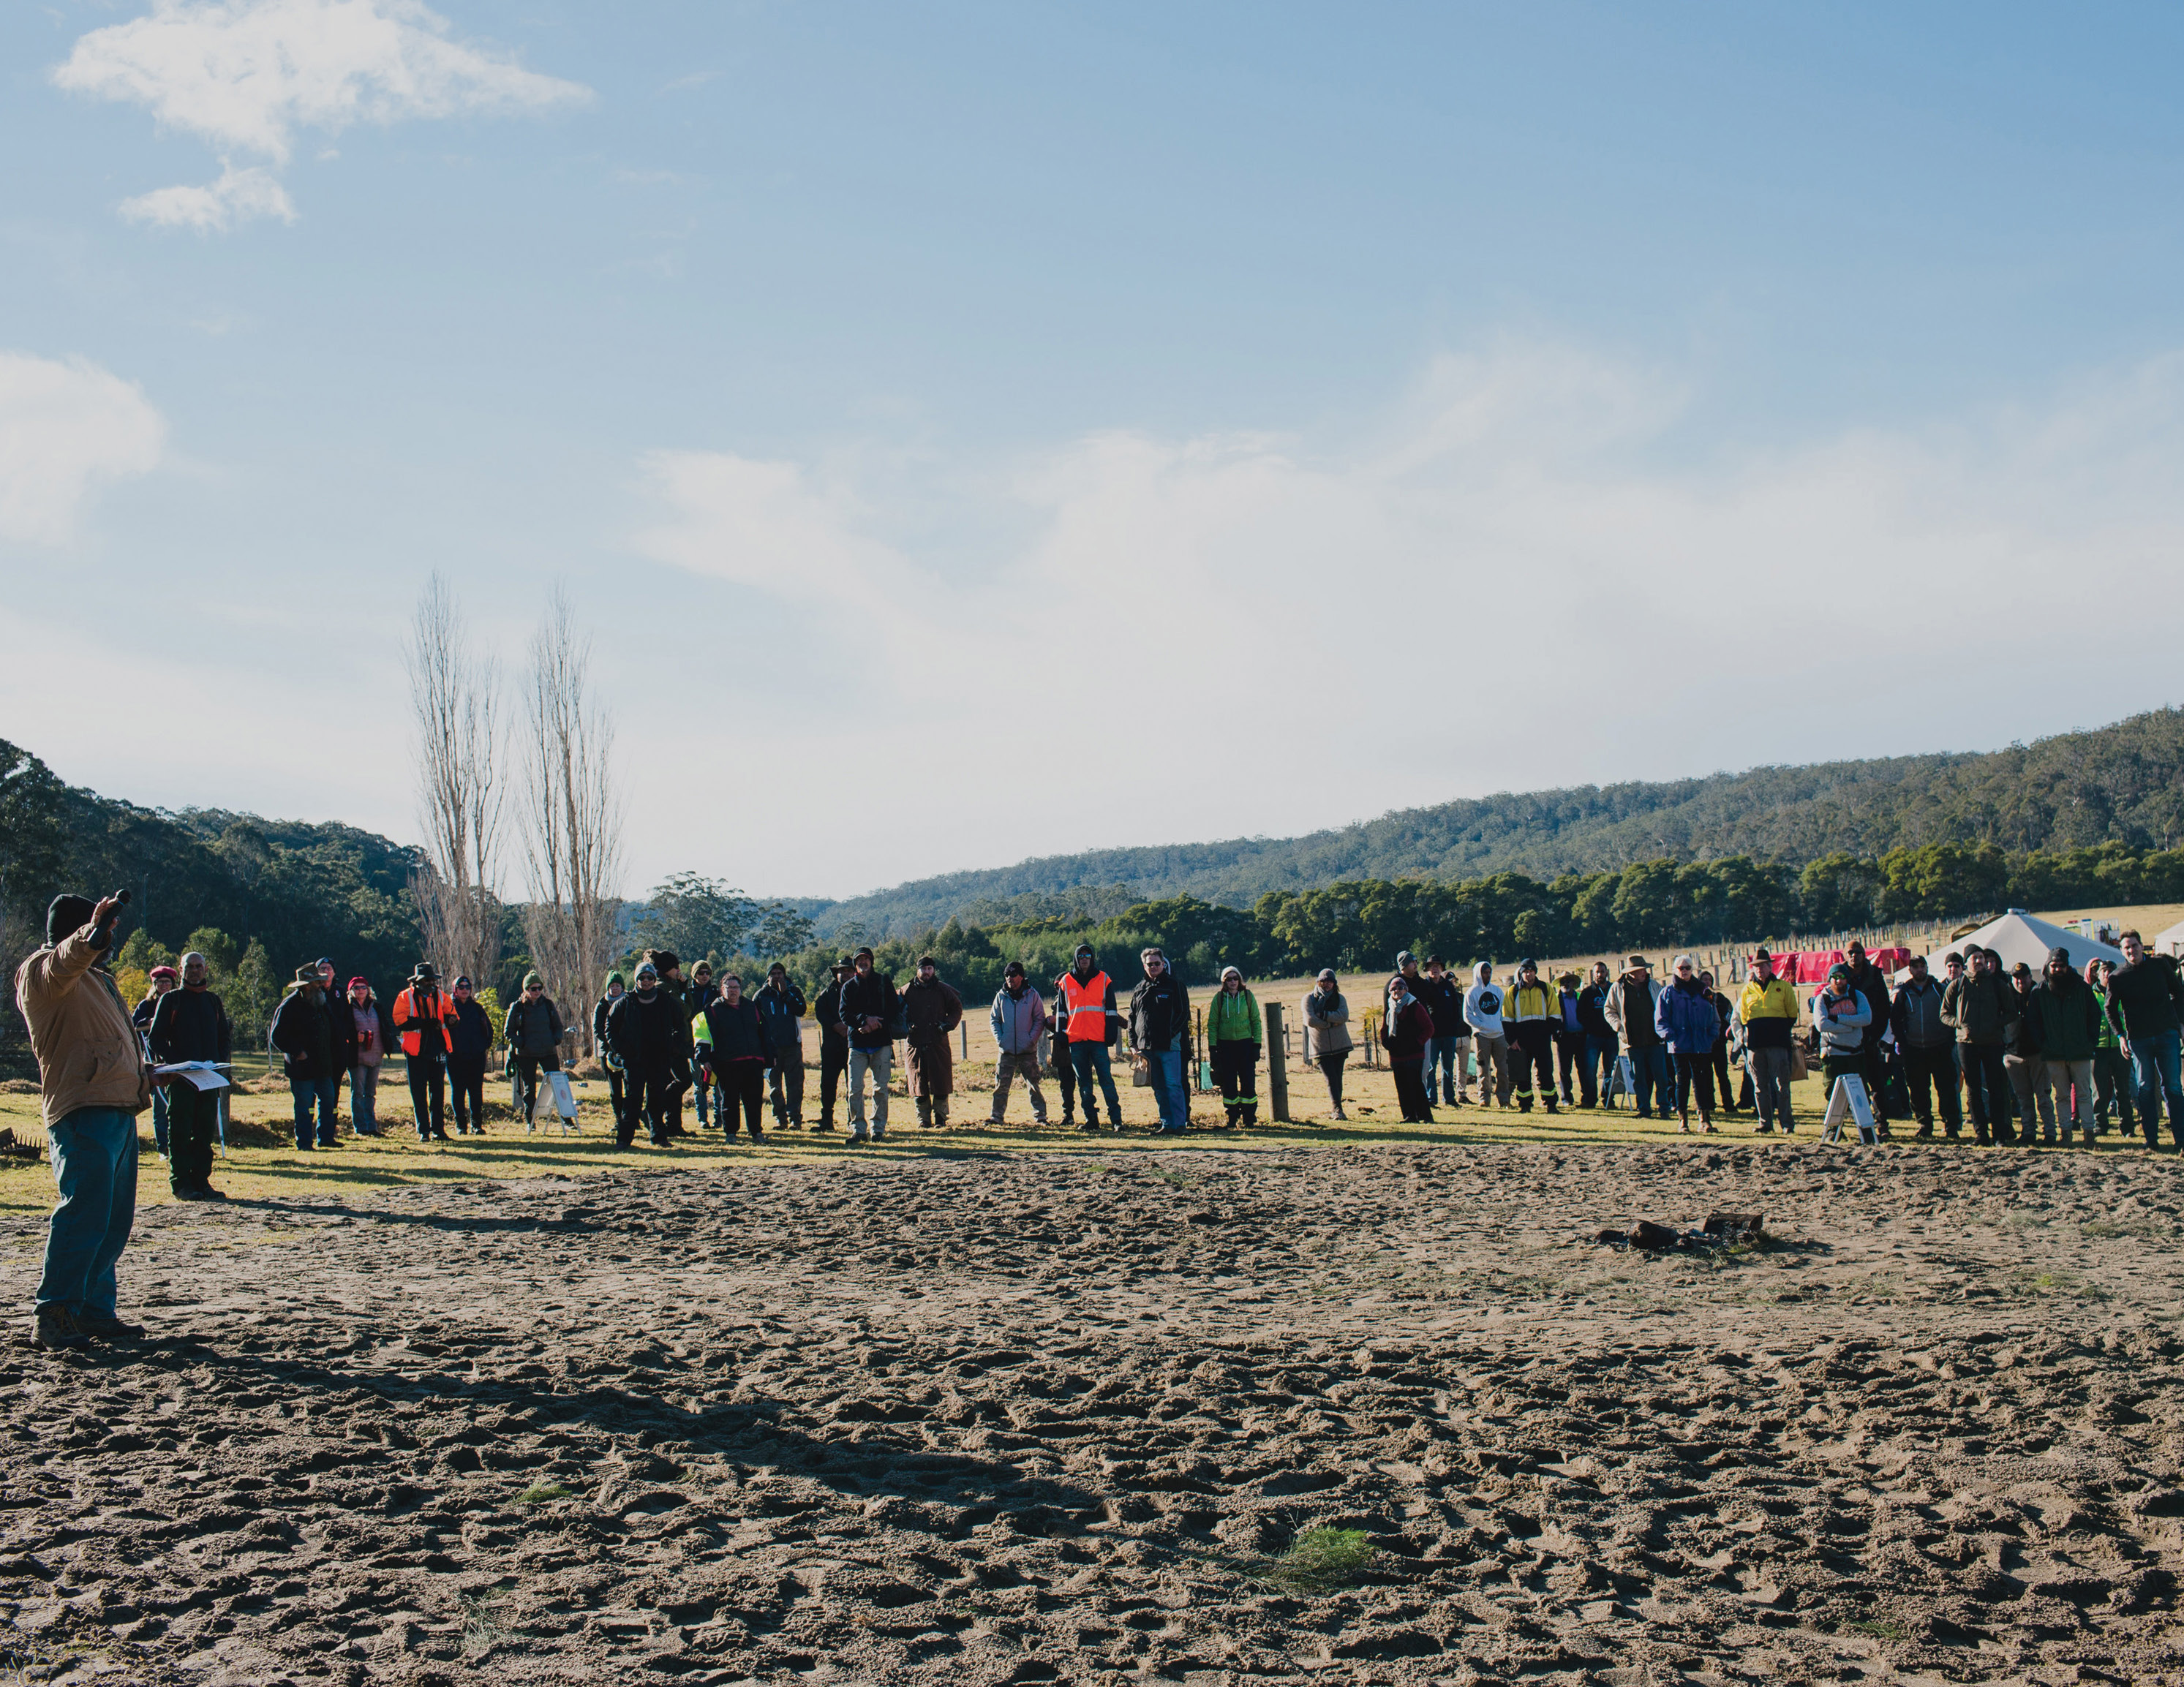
(532, 1032)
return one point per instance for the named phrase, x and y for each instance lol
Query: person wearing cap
(1600, 1040)
(1094, 1024)
(616, 986)
(2025, 1065)
(2111, 1071)
(1927, 1049)
(1490, 1039)
(1327, 1039)
(1767, 1010)
(1407, 1028)
(1451, 1054)
(1234, 1031)
(2146, 1007)
(1573, 1073)
(191, 1024)
(157, 983)
(780, 1007)
(1685, 1020)
(304, 1031)
(647, 1032)
(870, 1008)
(696, 995)
(1159, 1035)
(422, 1022)
(931, 1010)
(1983, 1011)
(2069, 1020)
(1630, 1007)
(667, 970)
(834, 1041)
(372, 1034)
(93, 1081)
(1018, 1018)
(1529, 1014)
(469, 1046)
(532, 1031)
(729, 1036)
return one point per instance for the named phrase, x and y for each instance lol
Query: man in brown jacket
(932, 1011)
(94, 1082)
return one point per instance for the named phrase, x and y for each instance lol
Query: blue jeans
(2154, 1064)
(1442, 1056)
(307, 1090)
(1168, 1093)
(1650, 1073)
(1089, 1058)
(94, 1155)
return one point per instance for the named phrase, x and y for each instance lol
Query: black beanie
(67, 914)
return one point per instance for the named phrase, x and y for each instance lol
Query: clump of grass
(1321, 1560)
(1879, 1627)
(541, 1494)
(2105, 1228)
(483, 1627)
(1174, 1180)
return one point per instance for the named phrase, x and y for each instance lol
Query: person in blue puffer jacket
(1684, 1017)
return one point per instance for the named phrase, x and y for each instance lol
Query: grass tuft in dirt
(1322, 1560)
(542, 1493)
(482, 1627)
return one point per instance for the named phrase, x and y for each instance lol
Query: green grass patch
(483, 1628)
(542, 1493)
(1322, 1560)
(1879, 1627)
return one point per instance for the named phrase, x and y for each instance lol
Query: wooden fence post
(1278, 1065)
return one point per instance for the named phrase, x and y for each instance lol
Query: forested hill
(2123, 783)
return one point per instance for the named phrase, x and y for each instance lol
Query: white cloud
(1506, 589)
(237, 196)
(65, 427)
(245, 74)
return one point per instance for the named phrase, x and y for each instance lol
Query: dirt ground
(979, 1416)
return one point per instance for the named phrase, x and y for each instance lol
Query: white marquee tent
(2017, 935)
(2171, 942)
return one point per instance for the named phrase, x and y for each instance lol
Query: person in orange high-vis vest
(423, 1016)
(1088, 1009)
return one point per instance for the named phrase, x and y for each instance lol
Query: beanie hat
(615, 977)
(1014, 969)
(1228, 973)
(664, 959)
(462, 980)
(2059, 953)
(927, 960)
(1327, 974)
(353, 982)
(531, 978)
(65, 914)
(1527, 964)
(1406, 958)
(649, 970)
(162, 972)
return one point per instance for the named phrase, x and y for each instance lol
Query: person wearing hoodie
(1094, 1023)
(2025, 1065)
(1573, 1074)
(728, 1037)
(668, 968)
(1767, 1009)
(1630, 1005)
(1842, 1016)
(1407, 1029)
(2146, 1007)
(1600, 1040)
(1018, 1018)
(833, 1042)
(371, 1038)
(190, 1024)
(302, 1030)
(469, 1046)
(932, 1009)
(781, 1006)
(2068, 1018)
(1983, 1011)
(1160, 1034)
(1452, 1044)
(1685, 1020)
(1482, 1012)
(647, 1032)
(870, 1009)
(2111, 1071)
(534, 1035)
(1529, 1014)
(1327, 1040)
(616, 988)
(708, 1095)
(1233, 1035)
(1927, 1049)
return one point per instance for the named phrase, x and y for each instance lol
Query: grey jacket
(1326, 1024)
(1842, 1029)
(1018, 1021)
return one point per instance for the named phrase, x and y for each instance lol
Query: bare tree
(573, 816)
(456, 704)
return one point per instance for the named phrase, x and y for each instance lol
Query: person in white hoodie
(1490, 1042)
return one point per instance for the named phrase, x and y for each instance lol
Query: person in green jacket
(2111, 1071)
(1232, 1036)
(2067, 1024)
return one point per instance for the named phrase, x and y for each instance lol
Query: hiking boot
(1339, 1115)
(206, 1192)
(186, 1192)
(824, 1125)
(1549, 1103)
(1090, 1127)
(1766, 1128)
(105, 1327)
(1926, 1134)
(56, 1330)
(1985, 1139)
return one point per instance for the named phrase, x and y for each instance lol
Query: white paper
(199, 1074)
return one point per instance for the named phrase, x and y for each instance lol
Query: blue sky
(1363, 406)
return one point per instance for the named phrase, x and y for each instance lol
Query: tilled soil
(1013, 1419)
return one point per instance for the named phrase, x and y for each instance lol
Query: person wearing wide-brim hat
(423, 1014)
(304, 1031)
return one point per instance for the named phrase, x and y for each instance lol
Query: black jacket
(731, 1033)
(471, 1031)
(1592, 1011)
(1160, 1015)
(828, 1011)
(191, 1025)
(1869, 982)
(652, 1037)
(2143, 1000)
(781, 1008)
(599, 1020)
(534, 1028)
(303, 1031)
(870, 997)
(1444, 1000)
(1916, 1016)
